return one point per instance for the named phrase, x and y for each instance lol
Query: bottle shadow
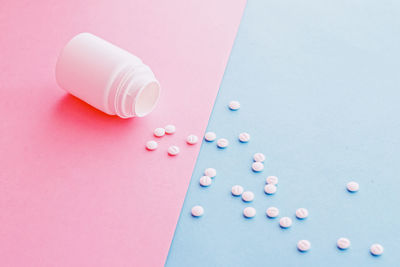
(72, 113)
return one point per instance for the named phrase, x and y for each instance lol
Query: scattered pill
(303, 245)
(343, 243)
(170, 129)
(234, 105)
(205, 181)
(376, 249)
(210, 172)
(210, 136)
(244, 137)
(270, 189)
(197, 211)
(237, 190)
(249, 212)
(259, 157)
(272, 212)
(248, 196)
(353, 186)
(257, 166)
(301, 213)
(222, 143)
(151, 145)
(272, 180)
(285, 222)
(192, 139)
(159, 132)
(173, 150)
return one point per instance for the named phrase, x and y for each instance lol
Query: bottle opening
(147, 98)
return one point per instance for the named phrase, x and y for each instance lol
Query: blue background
(319, 86)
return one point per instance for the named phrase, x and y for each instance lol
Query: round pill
(244, 137)
(197, 211)
(257, 166)
(272, 180)
(234, 105)
(353, 186)
(237, 190)
(151, 145)
(173, 150)
(222, 143)
(205, 181)
(270, 189)
(210, 136)
(159, 132)
(285, 222)
(170, 129)
(210, 172)
(343, 243)
(259, 157)
(376, 249)
(301, 213)
(303, 245)
(249, 212)
(248, 196)
(192, 139)
(272, 212)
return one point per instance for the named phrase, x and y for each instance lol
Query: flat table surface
(318, 83)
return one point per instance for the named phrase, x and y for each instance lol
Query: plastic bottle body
(107, 77)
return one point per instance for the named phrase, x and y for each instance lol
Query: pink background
(77, 187)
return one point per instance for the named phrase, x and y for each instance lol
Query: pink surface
(77, 187)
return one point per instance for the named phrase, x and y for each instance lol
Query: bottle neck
(134, 92)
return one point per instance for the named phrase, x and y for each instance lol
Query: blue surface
(319, 86)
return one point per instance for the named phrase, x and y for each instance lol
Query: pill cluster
(205, 181)
(170, 129)
(258, 164)
(270, 188)
(221, 142)
(208, 174)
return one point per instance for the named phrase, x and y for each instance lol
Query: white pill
(197, 211)
(234, 105)
(244, 137)
(210, 172)
(285, 222)
(210, 136)
(272, 212)
(301, 213)
(249, 212)
(270, 189)
(151, 145)
(205, 181)
(248, 196)
(192, 139)
(173, 150)
(159, 132)
(222, 143)
(376, 249)
(343, 243)
(237, 190)
(353, 186)
(170, 129)
(272, 180)
(257, 166)
(303, 245)
(259, 157)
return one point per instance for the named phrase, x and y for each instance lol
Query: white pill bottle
(107, 77)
